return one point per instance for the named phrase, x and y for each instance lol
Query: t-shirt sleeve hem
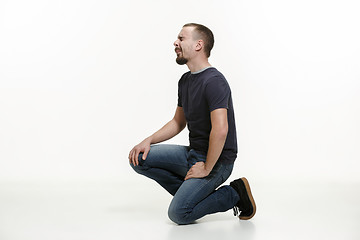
(218, 107)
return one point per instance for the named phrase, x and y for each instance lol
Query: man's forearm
(216, 144)
(168, 131)
(217, 140)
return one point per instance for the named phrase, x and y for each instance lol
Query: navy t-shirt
(199, 94)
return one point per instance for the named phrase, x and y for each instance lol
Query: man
(192, 173)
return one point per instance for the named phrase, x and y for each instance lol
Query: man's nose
(176, 43)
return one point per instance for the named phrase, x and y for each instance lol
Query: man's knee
(140, 167)
(178, 215)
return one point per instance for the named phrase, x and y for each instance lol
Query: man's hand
(143, 147)
(197, 171)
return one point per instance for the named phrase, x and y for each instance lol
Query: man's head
(194, 39)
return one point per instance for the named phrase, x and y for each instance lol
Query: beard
(181, 60)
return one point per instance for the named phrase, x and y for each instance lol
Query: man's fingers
(133, 158)
(130, 156)
(136, 157)
(144, 156)
(188, 175)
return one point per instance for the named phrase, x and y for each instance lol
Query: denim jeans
(195, 197)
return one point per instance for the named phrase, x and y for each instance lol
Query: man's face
(184, 45)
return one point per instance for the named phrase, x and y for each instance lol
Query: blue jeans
(195, 197)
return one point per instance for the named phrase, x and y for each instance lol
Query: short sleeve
(217, 93)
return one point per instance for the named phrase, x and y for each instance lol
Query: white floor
(138, 210)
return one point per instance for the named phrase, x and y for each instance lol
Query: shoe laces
(236, 211)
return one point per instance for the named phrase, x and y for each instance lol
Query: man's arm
(218, 133)
(169, 130)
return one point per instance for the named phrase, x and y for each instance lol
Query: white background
(81, 82)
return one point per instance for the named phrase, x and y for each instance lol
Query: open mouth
(178, 51)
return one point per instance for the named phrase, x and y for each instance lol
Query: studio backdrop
(82, 82)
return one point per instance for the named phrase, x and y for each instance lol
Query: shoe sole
(248, 191)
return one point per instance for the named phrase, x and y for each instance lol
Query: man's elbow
(221, 131)
(224, 131)
(180, 124)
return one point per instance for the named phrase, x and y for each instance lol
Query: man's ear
(199, 45)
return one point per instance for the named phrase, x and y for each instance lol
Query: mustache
(176, 49)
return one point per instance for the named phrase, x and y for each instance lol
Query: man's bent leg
(166, 164)
(197, 196)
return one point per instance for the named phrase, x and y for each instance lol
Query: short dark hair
(205, 34)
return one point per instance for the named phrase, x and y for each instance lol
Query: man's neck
(197, 66)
